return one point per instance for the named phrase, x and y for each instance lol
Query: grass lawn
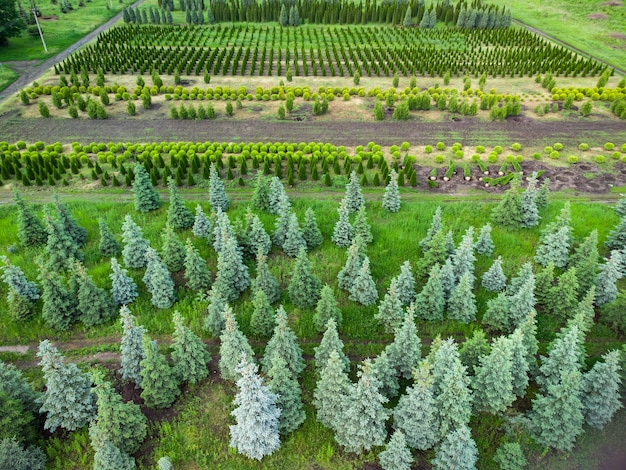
(60, 30)
(568, 21)
(7, 76)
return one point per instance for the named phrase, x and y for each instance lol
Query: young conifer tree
(519, 362)
(462, 304)
(22, 293)
(554, 248)
(600, 390)
(60, 306)
(258, 238)
(605, 283)
(385, 374)
(331, 391)
(396, 455)
(310, 231)
(256, 433)
(463, 259)
(435, 227)
(196, 271)
(390, 312)
(363, 289)
(179, 216)
(391, 199)
(493, 382)
(484, 244)
(431, 301)
(131, 347)
(355, 257)
(405, 351)
(222, 229)
(304, 286)
(201, 224)
(283, 344)
(327, 308)
(343, 232)
(353, 198)
(77, 233)
(189, 354)
(60, 249)
(232, 274)
(146, 197)
(217, 193)
(281, 225)
(494, 279)
(15, 456)
(457, 450)
(563, 298)
(406, 284)
(263, 319)
(293, 238)
(265, 281)
(260, 200)
(362, 227)
(108, 246)
(289, 394)
(473, 349)
(508, 213)
(108, 456)
(215, 321)
(158, 281)
(123, 287)
(530, 211)
(564, 356)
(158, 379)
(30, 230)
(135, 246)
(68, 401)
(232, 345)
(94, 304)
(585, 260)
(277, 195)
(172, 250)
(330, 342)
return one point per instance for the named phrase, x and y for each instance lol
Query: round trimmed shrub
(440, 146)
(583, 147)
(439, 159)
(600, 159)
(516, 146)
(572, 159)
(558, 146)
(428, 149)
(609, 146)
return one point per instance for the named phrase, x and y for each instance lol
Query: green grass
(7, 76)
(567, 21)
(62, 32)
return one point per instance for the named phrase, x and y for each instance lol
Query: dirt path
(32, 72)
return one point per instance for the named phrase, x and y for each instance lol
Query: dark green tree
(146, 198)
(263, 319)
(108, 246)
(30, 231)
(196, 271)
(158, 379)
(304, 286)
(189, 355)
(179, 216)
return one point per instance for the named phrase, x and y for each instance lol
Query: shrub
(43, 109)
(600, 159)
(583, 147)
(440, 146)
(516, 146)
(572, 159)
(492, 158)
(439, 159)
(558, 146)
(609, 146)
(480, 149)
(428, 149)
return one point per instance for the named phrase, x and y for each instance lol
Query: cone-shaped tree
(232, 274)
(289, 400)
(256, 433)
(436, 253)
(510, 456)
(563, 298)
(135, 246)
(543, 194)
(563, 357)
(493, 382)
(391, 199)
(390, 312)
(214, 322)
(123, 287)
(330, 342)
(494, 279)
(473, 349)
(201, 224)
(605, 282)
(327, 308)
(217, 193)
(158, 281)
(260, 200)
(293, 239)
(462, 305)
(146, 198)
(265, 281)
(406, 284)
(94, 304)
(232, 345)
(519, 362)
(158, 379)
(131, 347)
(415, 414)
(600, 390)
(77, 233)
(521, 303)
(277, 195)
(585, 260)
(14, 456)
(363, 289)
(508, 212)
(258, 238)
(361, 424)
(196, 271)
(283, 344)
(385, 374)
(281, 225)
(331, 391)
(68, 401)
(15, 279)
(463, 259)
(457, 450)
(523, 275)
(430, 302)
(354, 262)
(179, 216)
(173, 250)
(263, 319)
(343, 231)
(353, 199)
(362, 227)
(484, 244)
(189, 354)
(435, 227)
(396, 455)
(60, 306)
(30, 231)
(108, 246)
(222, 229)
(304, 287)
(310, 231)
(530, 212)
(554, 248)
(405, 351)
(60, 249)
(108, 456)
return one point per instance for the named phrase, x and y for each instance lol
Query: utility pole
(43, 41)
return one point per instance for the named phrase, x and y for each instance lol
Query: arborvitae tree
(94, 304)
(353, 199)
(396, 455)
(543, 194)
(293, 238)
(304, 287)
(463, 259)
(554, 248)
(390, 312)
(508, 213)
(484, 244)
(493, 382)
(361, 424)
(519, 362)
(343, 231)
(405, 351)
(310, 231)
(60, 249)
(108, 245)
(600, 390)
(131, 347)
(556, 418)
(282, 222)
(331, 391)
(494, 279)
(233, 344)
(457, 450)
(179, 216)
(363, 289)
(146, 197)
(330, 342)
(30, 231)
(435, 227)
(415, 414)
(189, 354)
(258, 238)
(391, 199)
(362, 227)
(16, 457)
(158, 281)
(232, 274)
(121, 424)
(214, 322)
(256, 433)
(123, 288)
(430, 302)
(196, 271)
(289, 400)
(158, 379)
(473, 349)
(68, 401)
(77, 233)
(173, 250)
(530, 212)
(217, 193)
(355, 258)
(135, 246)
(563, 298)
(454, 400)
(201, 225)
(564, 356)
(263, 319)
(327, 308)
(510, 456)
(284, 18)
(462, 304)
(283, 344)
(108, 456)
(605, 283)
(60, 306)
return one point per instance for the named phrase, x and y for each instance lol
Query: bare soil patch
(598, 16)
(618, 36)
(612, 3)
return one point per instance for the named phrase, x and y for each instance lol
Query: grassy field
(7, 76)
(569, 21)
